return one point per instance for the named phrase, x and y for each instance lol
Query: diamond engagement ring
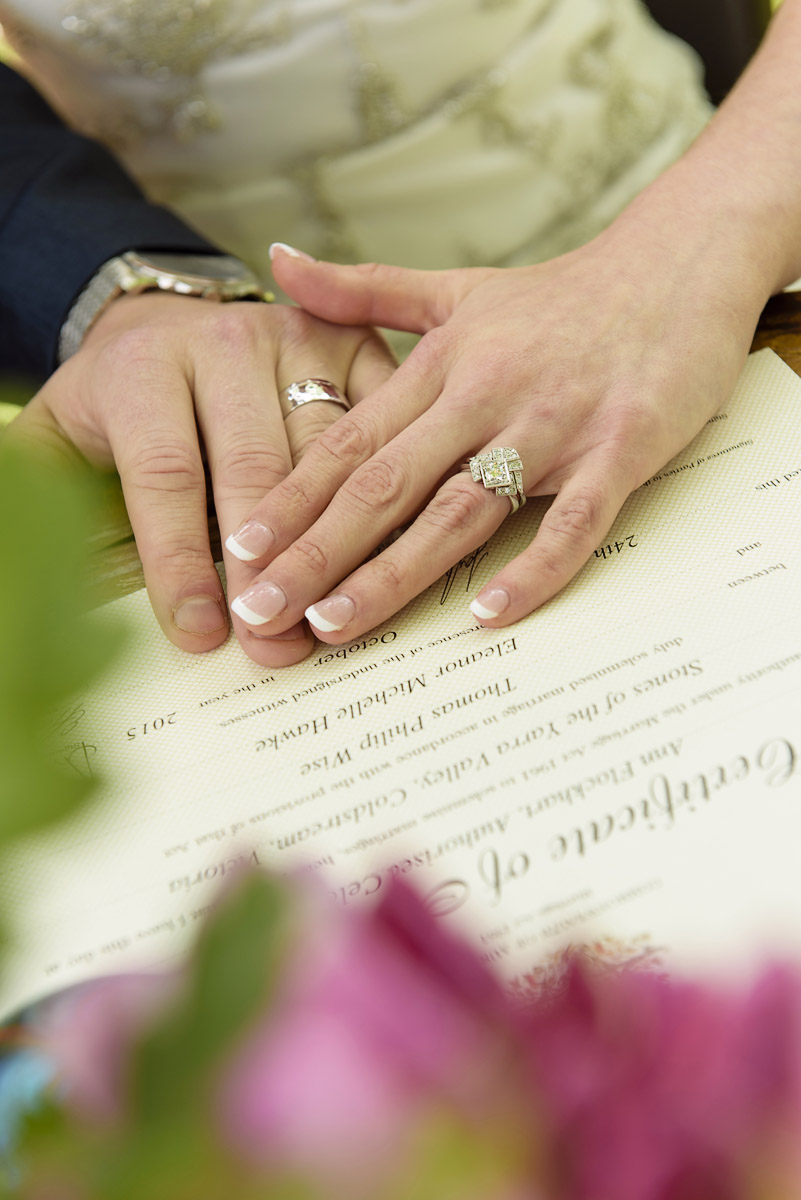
(305, 391)
(500, 470)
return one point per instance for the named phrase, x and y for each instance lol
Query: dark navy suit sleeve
(66, 206)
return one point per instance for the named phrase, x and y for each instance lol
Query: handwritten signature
(470, 563)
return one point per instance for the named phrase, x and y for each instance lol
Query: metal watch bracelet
(130, 274)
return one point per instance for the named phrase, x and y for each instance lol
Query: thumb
(367, 294)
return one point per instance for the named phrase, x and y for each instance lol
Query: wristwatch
(210, 276)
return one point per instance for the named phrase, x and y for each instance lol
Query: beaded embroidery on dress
(422, 132)
(171, 45)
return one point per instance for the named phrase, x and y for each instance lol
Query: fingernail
(491, 603)
(332, 614)
(199, 614)
(259, 604)
(290, 250)
(250, 541)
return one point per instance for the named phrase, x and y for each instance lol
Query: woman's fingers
(397, 483)
(377, 498)
(330, 467)
(600, 364)
(330, 456)
(574, 525)
(460, 516)
(458, 519)
(370, 293)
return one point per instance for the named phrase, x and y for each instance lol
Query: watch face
(220, 268)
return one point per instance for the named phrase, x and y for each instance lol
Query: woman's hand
(596, 367)
(163, 380)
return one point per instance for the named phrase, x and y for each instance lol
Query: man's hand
(163, 381)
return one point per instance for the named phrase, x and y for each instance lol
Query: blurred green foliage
(167, 1143)
(50, 506)
(231, 974)
(48, 653)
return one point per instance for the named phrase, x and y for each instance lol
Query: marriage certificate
(620, 769)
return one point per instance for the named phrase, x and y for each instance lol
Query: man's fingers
(368, 294)
(245, 439)
(160, 466)
(162, 478)
(160, 379)
(373, 364)
(248, 454)
(572, 528)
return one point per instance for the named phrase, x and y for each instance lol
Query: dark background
(724, 32)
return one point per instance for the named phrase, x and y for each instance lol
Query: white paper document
(621, 767)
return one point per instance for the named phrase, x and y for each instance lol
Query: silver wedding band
(309, 391)
(500, 470)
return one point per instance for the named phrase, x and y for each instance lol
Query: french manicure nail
(259, 604)
(291, 251)
(491, 605)
(332, 614)
(250, 541)
(199, 614)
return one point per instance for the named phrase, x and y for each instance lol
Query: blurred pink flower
(384, 1033)
(382, 1014)
(656, 1090)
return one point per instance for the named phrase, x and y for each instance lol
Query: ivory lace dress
(430, 133)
